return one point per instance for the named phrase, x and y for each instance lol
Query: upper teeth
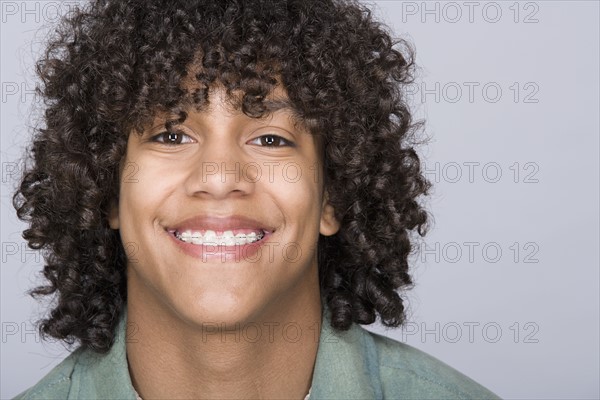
(225, 239)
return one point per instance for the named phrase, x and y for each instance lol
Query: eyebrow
(273, 106)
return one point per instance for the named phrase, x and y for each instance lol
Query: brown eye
(272, 141)
(172, 138)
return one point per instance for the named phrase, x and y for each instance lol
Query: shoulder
(86, 374)
(359, 364)
(56, 384)
(406, 370)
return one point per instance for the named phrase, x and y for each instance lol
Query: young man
(225, 191)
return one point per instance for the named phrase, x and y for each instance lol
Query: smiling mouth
(235, 237)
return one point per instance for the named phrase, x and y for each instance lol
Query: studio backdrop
(507, 280)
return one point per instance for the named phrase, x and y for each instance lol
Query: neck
(272, 356)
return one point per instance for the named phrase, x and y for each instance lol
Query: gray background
(508, 278)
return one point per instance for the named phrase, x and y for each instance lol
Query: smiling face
(220, 218)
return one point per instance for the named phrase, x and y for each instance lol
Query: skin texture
(179, 306)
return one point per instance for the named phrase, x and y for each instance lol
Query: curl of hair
(112, 65)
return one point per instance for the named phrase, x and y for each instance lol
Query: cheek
(143, 190)
(300, 194)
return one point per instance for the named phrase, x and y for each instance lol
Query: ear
(113, 216)
(329, 224)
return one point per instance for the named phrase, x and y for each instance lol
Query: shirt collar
(345, 367)
(105, 376)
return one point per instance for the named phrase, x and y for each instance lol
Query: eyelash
(286, 142)
(162, 135)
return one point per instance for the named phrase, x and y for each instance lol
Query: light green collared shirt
(355, 364)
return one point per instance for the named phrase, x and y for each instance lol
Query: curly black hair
(112, 65)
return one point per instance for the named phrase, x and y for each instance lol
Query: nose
(221, 171)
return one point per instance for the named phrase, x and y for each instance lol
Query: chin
(220, 309)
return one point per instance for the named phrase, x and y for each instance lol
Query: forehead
(275, 101)
(275, 104)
